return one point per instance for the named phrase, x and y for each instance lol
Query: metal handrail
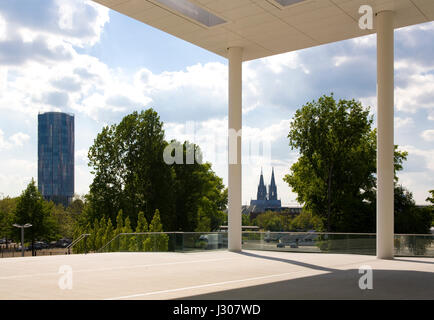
(104, 246)
(73, 243)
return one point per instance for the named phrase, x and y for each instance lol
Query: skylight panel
(192, 11)
(285, 3)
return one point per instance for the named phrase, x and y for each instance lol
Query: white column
(385, 144)
(234, 149)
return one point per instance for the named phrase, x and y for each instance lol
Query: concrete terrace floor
(215, 275)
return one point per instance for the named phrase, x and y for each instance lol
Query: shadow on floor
(294, 262)
(387, 284)
(417, 261)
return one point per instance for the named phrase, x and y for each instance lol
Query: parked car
(271, 237)
(213, 241)
(291, 244)
(38, 245)
(63, 243)
(4, 241)
(52, 244)
(18, 248)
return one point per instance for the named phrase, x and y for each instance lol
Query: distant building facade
(56, 156)
(266, 200)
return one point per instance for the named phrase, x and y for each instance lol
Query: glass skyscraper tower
(56, 156)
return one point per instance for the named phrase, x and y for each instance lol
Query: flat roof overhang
(264, 27)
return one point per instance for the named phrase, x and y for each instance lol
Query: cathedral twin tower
(262, 189)
(266, 200)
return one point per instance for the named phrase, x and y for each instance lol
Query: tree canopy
(431, 199)
(408, 217)
(130, 174)
(7, 208)
(31, 208)
(334, 176)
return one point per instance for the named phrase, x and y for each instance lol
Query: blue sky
(77, 56)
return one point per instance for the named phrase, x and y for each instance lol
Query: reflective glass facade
(56, 156)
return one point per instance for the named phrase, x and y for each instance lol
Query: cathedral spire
(262, 190)
(272, 189)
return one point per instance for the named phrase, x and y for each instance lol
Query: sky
(79, 57)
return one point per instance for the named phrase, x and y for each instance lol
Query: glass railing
(314, 242)
(414, 245)
(166, 242)
(351, 243)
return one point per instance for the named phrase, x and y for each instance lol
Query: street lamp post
(27, 225)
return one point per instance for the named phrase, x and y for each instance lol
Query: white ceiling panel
(263, 27)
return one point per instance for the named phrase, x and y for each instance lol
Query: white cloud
(427, 155)
(418, 94)
(403, 122)
(418, 173)
(4, 144)
(16, 140)
(418, 183)
(417, 89)
(3, 79)
(366, 41)
(64, 86)
(83, 179)
(340, 60)
(82, 21)
(211, 77)
(16, 175)
(370, 102)
(281, 62)
(428, 135)
(3, 29)
(19, 138)
(81, 156)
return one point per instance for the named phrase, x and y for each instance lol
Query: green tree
(270, 221)
(245, 219)
(63, 218)
(76, 207)
(119, 221)
(306, 221)
(204, 221)
(115, 245)
(129, 171)
(200, 196)
(86, 244)
(335, 175)
(431, 199)
(100, 229)
(125, 239)
(7, 208)
(156, 242)
(108, 235)
(408, 217)
(32, 209)
(92, 240)
(142, 226)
